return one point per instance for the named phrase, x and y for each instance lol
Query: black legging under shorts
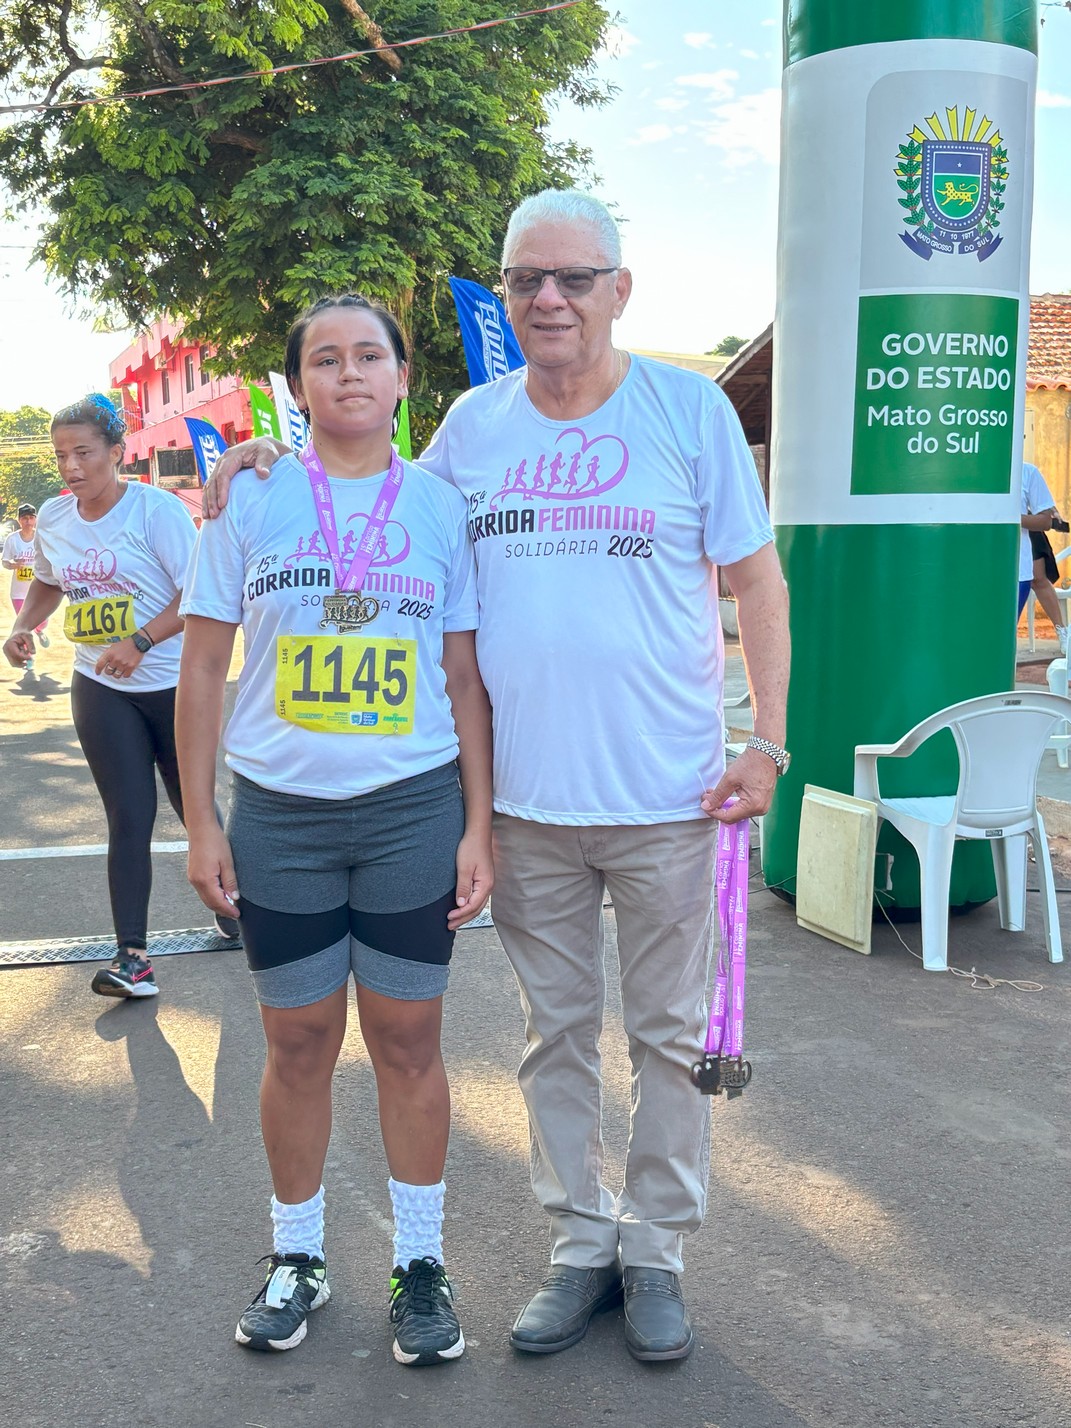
(127, 734)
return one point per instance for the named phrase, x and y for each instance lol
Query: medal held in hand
(723, 1067)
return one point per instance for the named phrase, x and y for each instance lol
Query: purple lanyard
(723, 1067)
(353, 578)
(725, 1031)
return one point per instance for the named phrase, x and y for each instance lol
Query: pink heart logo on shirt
(99, 564)
(567, 476)
(391, 549)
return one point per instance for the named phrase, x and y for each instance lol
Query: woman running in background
(355, 849)
(18, 557)
(118, 552)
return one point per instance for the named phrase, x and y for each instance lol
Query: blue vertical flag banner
(208, 445)
(490, 347)
(292, 424)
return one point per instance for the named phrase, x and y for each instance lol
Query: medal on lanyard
(349, 609)
(723, 1067)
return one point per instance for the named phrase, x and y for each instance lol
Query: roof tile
(1048, 362)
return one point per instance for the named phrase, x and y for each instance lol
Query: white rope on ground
(980, 981)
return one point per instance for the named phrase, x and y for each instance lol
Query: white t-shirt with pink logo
(264, 564)
(22, 553)
(139, 551)
(596, 542)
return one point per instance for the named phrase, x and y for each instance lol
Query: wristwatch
(142, 642)
(781, 757)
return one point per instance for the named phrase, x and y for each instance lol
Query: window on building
(189, 373)
(144, 396)
(172, 461)
(165, 388)
(205, 378)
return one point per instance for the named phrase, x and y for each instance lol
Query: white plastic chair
(1057, 677)
(734, 750)
(1000, 739)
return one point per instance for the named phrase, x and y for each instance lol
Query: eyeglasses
(570, 282)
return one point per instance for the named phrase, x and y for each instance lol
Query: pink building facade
(162, 380)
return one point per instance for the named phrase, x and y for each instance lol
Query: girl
(118, 550)
(354, 847)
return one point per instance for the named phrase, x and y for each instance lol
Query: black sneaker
(422, 1310)
(128, 975)
(229, 928)
(295, 1286)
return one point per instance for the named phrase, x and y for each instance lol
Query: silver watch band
(779, 755)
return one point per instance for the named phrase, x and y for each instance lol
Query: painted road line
(80, 850)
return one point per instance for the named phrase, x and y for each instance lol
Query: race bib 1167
(347, 685)
(100, 622)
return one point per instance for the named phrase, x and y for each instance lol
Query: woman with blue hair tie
(118, 552)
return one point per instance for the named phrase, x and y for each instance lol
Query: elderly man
(603, 489)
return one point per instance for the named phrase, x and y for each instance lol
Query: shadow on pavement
(885, 1245)
(38, 687)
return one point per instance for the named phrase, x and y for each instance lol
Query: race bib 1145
(347, 685)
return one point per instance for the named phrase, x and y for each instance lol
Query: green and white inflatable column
(900, 356)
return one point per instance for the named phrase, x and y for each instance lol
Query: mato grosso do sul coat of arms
(953, 181)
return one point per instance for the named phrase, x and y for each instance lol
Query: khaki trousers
(548, 911)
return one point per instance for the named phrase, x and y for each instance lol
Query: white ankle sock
(418, 1221)
(299, 1229)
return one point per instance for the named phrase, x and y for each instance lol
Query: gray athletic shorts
(330, 887)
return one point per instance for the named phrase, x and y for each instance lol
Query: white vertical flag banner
(291, 423)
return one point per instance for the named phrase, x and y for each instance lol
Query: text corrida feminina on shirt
(563, 492)
(593, 537)
(324, 660)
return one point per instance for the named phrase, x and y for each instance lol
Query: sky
(687, 153)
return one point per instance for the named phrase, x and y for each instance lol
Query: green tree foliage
(232, 207)
(27, 466)
(728, 347)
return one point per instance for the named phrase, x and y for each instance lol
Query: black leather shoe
(557, 1315)
(657, 1326)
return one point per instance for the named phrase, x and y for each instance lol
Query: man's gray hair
(564, 205)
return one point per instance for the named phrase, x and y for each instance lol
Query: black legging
(126, 734)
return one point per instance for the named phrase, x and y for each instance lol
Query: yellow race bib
(100, 622)
(346, 684)
(24, 573)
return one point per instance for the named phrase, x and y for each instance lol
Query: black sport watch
(142, 642)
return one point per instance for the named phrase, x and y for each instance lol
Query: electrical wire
(40, 108)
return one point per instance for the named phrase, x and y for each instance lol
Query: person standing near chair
(602, 490)
(1044, 571)
(18, 557)
(1037, 565)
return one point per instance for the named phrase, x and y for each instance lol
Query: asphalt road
(888, 1240)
